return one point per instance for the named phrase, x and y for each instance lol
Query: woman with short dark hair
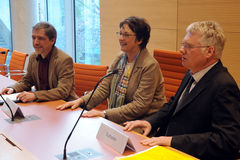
(137, 90)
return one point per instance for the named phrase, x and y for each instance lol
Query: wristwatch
(105, 114)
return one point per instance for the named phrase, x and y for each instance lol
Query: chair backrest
(17, 62)
(86, 76)
(173, 72)
(3, 55)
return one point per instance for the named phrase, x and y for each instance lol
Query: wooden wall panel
(162, 39)
(169, 20)
(161, 15)
(227, 13)
(231, 55)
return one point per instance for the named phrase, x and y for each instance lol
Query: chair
(173, 72)
(86, 76)
(15, 69)
(3, 57)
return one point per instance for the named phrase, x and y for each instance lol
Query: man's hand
(26, 96)
(7, 91)
(144, 125)
(73, 104)
(162, 141)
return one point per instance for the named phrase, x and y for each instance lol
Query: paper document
(10, 150)
(12, 97)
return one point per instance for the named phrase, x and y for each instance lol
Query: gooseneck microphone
(8, 107)
(84, 108)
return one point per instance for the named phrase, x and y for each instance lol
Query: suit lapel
(200, 86)
(179, 92)
(181, 88)
(192, 95)
(51, 67)
(140, 60)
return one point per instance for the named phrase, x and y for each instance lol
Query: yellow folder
(159, 153)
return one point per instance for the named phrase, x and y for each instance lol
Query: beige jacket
(61, 78)
(145, 92)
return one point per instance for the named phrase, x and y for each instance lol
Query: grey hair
(212, 35)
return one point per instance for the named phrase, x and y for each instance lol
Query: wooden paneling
(162, 39)
(231, 57)
(227, 13)
(109, 44)
(169, 20)
(154, 11)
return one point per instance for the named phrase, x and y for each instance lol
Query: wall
(22, 23)
(168, 20)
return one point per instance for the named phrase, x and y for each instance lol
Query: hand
(26, 96)
(93, 113)
(7, 91)
(162, 141)
(73, 104)
(144, 125)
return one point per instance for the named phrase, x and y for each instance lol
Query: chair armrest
(19, 72)
(3, 65)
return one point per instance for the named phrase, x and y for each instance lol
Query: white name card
(14, 107)
(114, 138)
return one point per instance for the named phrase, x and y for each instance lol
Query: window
(87, 31)
(53, 11)
(5, 25)
(77, 34)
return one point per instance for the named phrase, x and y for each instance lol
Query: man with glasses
(203, 118)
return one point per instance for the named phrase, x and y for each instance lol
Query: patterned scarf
(120, 83)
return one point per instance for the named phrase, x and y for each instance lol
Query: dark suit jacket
(208, 124)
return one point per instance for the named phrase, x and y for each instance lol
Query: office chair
(15, 69)
(86, 77)
(3, 57)
(173, 72)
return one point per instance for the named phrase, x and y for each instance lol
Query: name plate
(114, 138)
(17, 113)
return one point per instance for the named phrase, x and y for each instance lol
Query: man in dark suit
(203, 118)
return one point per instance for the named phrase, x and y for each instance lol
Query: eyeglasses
(125, 35)
(189, 46)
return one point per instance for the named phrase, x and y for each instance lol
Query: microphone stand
(8, 107)
(83, 109)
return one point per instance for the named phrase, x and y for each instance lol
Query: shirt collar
(47, 59)
(197, 76)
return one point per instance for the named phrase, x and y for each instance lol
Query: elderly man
(203, 118)
(50, 70)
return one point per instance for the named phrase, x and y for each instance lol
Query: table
(45, 137)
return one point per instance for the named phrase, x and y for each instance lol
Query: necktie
(185, 94)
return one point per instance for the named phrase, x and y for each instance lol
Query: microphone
(8, 107)
(84, 108)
